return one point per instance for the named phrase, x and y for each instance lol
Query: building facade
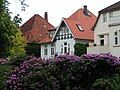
(61, 40)
(72, 30)
(107, 31)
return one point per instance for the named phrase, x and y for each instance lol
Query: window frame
(102, 39)
(116, 41)
(45, 50)
(110, 14)
(79, 27)
(105, 17)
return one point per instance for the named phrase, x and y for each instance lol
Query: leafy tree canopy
(11, 41)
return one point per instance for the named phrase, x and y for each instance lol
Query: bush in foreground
(67, 72)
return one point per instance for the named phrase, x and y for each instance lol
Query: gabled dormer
(63, 32)
(51, 32)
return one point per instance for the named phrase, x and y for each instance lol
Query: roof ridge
(77, 13)
(110, 6)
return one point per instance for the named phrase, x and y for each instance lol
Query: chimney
(46, 16)
(85, 10)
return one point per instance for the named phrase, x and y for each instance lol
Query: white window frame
(45, 50)
(61, 48)
(103, 38)
(116, 38)
(52, 49)
(105, 17)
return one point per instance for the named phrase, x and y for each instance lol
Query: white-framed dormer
(62, 33)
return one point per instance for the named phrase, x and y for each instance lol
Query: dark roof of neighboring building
(110, 8)
(37, 29)
(86, 22)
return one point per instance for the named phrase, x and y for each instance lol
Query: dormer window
(51, 33)
(44, 26)
(79, 27)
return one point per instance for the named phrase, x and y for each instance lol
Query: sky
(56, 8)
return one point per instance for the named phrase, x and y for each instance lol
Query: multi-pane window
(64, 33)
(45, 50)
(102, 40)
(116, 37)
(104, 17)
(52, 49)
(110, 14)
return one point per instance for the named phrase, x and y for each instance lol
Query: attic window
(79, 27)
(44, 26)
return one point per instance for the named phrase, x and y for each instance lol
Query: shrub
(5, 69)
(80, 49)
(107, 83)
(67, 72)
(33, 48)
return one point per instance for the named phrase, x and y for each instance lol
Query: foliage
(23, 4)
(5, 69)
(107, 83)
(80, 49)
(33, 48)
(11, 41)
(67, 72)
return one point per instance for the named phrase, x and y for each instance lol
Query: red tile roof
(86, 22)
(37, 29)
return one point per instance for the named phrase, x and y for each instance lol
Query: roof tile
(86, 22)
(36, 29)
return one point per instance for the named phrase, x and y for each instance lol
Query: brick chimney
(85, 11)
(46, 16)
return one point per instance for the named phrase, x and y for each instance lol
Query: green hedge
(80, 49)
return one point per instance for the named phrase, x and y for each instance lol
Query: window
(110, 14)
(51, 34)
(104, 17)
(69, 48)
(65, 43)
(52, 49)
(79, 27)
(101, 40)
(116, 37)
(61, 49)
(67, 31)
(58, 37)
(45, 50)
(65, 49)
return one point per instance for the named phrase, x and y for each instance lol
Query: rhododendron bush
(64, 73)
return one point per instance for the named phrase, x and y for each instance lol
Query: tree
(11, 41)
(33, 48)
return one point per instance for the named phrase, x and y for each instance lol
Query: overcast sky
(56, 8)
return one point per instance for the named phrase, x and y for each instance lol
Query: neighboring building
(75, 29)
(107, 31)
(40, 30)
